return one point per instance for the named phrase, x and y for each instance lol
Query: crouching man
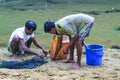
(21, 39)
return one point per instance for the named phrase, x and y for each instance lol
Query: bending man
(77, 27)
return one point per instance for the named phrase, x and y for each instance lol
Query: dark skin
(26, 47)
(73, 42)
(59, 45)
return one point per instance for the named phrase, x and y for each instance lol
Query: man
(77, 27)
(22, 38)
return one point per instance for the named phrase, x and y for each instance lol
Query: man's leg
(14, 47)
(28, 43)
(79, 54)
(71, 55)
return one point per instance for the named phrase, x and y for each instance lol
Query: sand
(56, 70)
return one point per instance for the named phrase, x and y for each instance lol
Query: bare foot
(68, 61)
(75, 66)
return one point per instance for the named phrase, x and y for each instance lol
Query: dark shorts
(85, 33)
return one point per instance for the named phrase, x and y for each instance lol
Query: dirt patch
(56, 70)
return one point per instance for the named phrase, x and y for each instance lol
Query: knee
(78, 43)
(15, 40)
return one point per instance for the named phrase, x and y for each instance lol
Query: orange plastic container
(60, 54)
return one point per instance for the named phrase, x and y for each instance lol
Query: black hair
(48, 25)
(30, 25)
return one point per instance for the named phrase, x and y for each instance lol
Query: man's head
(30, 26)
(49, 27)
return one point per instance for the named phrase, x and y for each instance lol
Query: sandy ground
(56, 70)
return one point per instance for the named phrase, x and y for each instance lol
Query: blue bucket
(94, 53)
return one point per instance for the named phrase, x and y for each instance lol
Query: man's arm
(26, 49)
(72, 41)
(58, 46)
(39, 46)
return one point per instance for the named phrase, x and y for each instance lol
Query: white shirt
(20, 32)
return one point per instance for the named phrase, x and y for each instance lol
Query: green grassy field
(104, 31)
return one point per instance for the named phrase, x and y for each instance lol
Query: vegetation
(14, 13)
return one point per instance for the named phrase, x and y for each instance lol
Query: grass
(103, 31)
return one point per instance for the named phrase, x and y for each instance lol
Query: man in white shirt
(77, 27)
(21, 39)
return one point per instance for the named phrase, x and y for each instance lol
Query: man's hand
(45, 52)
(40, 55)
